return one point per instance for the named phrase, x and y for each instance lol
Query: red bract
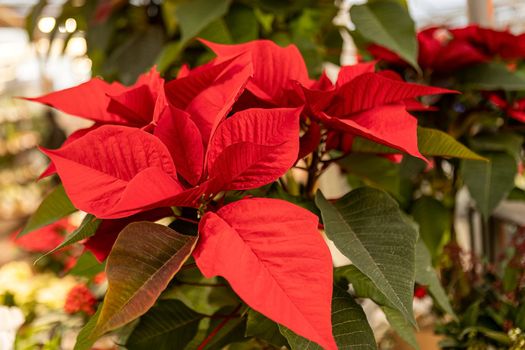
(45, 238)
(515, 110)
(112, 103)
(275, 259)
(446, 50)
(370, 105)
(275, 69)
(208, 93)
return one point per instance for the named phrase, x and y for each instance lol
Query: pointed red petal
(51, 169)
(275, 67)
(138, 101)
(254, 147)
(209, 94)
(184, 141)
(275, 259)
(371, 90)
(349, 73)
(116, 171)
(88, 100)
(389, 125)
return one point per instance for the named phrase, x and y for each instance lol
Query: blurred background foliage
(125, 38)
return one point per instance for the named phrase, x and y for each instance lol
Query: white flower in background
(11, 318)
(53, 293)
(15, 279)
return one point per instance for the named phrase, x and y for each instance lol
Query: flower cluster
(80, 299)
(238, 122)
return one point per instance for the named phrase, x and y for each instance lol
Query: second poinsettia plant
(221, 152)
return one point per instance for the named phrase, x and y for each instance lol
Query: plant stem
(218, 328)
(182, 218)
(312, 174)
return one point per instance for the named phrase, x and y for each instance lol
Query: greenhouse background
(459, 205)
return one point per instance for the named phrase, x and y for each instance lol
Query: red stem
(218, 328)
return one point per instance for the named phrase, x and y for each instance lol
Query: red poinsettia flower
(370, 105)
(44, 239)
(446, 50)
(275, 71)
(116, 171)
(514, 110)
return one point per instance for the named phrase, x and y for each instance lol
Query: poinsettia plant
(215, 156)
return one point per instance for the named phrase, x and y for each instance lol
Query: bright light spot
(46, 24)
(71, 25)
(76, 46)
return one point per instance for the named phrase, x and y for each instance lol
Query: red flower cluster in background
(231, 124)
(80, 299)
(445, 50)
(515, 110)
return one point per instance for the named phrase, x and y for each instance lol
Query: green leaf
(169, 54)
(261, 327)
(33, 16)
(376, 171)
(491, 76)
(501, 142)
(431, 142)
(55, 206)
(87, 266)
(84, 339)
(489, 182)
(403, 328)
(242, 23)
(426, 275)
(168, 325)
(434, 222)
(144, 258)
(367, 226)
(388, 24)
(193, 16)
(365, 288)
(349, 326)
(87, 228)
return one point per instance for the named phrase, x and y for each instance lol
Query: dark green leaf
(55, 206)
(434, 222)
(87, 228)
(242, 23)
(403, 328)
(492, 76)
(388, 24)
(349, 326)
(168, 325)
(501, 142)
(193, 16)
(367, 226)
(489, 182)
(426, 275)
(87, 266)
(365, 288)
(263, 328)
(376, 171)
